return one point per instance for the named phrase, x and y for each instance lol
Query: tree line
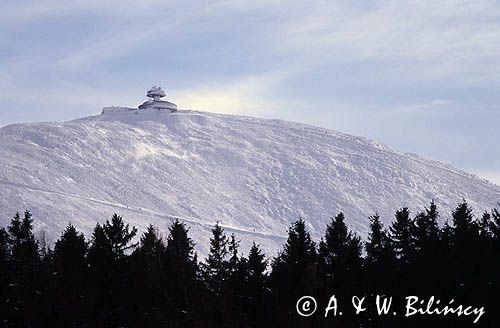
(116, 280)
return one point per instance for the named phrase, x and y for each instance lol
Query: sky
(420, 76)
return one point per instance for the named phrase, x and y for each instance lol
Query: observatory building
(155, 93)
(154, 103)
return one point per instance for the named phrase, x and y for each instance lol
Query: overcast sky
(421, 77)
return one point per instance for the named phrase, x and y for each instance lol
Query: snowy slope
(255, 176)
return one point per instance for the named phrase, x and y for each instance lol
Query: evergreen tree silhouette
(216, 267)
(465, 253)
(380, 258)
(4, 246)
(233, 291)
(402, 237)
(256, 287)
(24, 246)
(216, 273)
(101, 272)
(119, 235)
(108, 283)
(340, 254)
(25, 291)
(69, 256)
(495, 225)
(100, 256)
(257, 265)
(494, 260)
(233, 247)
(428, 251)
(69, 267)
(488, 278)
(294, 273)
(486, 243)
(340, 264)
(463, 222)
(484, 226)
(146, 291)
(4, 274)
(427, 226)
(109, 270)
(181, 270)
(401, 233)
(151, 245)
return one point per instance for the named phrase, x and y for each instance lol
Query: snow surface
(254, 176)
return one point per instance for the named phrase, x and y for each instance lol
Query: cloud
(427, 107)
(446, 39)
(242, 96)
(23, 11)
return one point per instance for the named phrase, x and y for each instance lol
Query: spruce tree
(151, 245)
(237, 267)
(217, 276)
(466, 252)
(484, 226)
(465, 230)
(429, 252)
(69, 271)
(100, 289)
(340, 255)
(147, 288)
(24, 247)
(179, 246)
(257, 265)
(299, 251)
(495, 225)
(495, 245)
(233, 291)
(432, 217)
(294, 271)
(181, 266)
(255, 289)
(402, 237)
(69, 255)
(119, 235)
(401, 233)
(463, 221)
(426, 227)
(25, 278)
(4, 275)
(109, 268)
(100, 251)
(216, 268)
(4, 247)
(486, 246)
(15, 232)
(233, 246)
(378, 244)
(495, 254)
(340, 264)
(380, 258)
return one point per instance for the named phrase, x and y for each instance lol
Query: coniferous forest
(118, 278)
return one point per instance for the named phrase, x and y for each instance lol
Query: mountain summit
(252, 175)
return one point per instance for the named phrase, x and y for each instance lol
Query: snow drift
(254, 176)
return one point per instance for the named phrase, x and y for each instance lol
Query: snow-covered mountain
(255, 176)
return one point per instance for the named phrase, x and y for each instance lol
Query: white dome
(155, 93)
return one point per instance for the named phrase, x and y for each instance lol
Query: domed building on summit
(155, 93)
(154, 103)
